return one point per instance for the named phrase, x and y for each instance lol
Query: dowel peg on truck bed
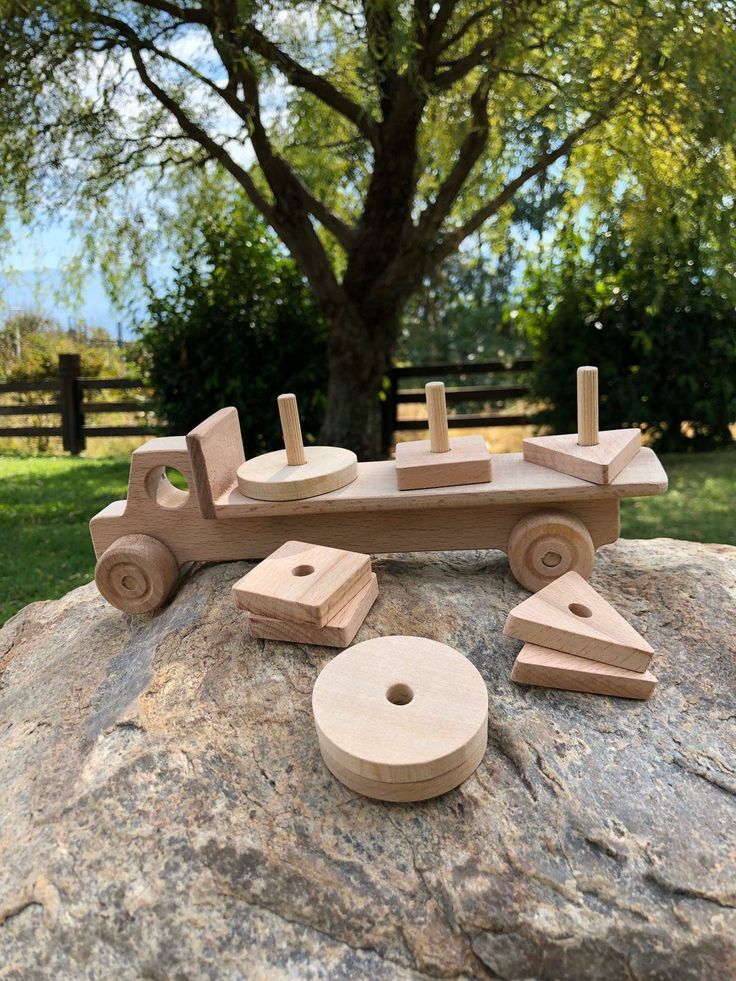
(292, 430)
(439, 437)
(587, 379)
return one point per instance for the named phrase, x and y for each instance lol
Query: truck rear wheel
(136, 573)
(546, 545)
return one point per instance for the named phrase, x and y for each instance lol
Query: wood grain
(599, 464)
(439, 437)
(547, 544)
(400, 709)
(554, 669)
(467, 461)
(303, 582)
(515, 481)
(587, 385)
(412, 790)
(338, 632)
(271, 478)
(569, 615)
(216, 451)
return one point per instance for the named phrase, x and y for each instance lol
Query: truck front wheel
(546, 545)
(136, 573)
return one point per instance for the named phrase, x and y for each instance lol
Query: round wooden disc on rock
(401, 710)
(270, 478)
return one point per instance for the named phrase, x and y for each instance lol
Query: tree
(236, 327)
(375, 137)
(648, 306)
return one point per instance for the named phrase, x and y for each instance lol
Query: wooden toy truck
(547, 522)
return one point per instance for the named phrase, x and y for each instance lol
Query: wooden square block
(339, 632)
(570, 616)
(599, 464)
(553, 669)
(466, 462)
(302, 582)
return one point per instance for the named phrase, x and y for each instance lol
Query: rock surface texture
(165, 813)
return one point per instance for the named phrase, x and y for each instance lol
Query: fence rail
(396, 396)
(73, 407)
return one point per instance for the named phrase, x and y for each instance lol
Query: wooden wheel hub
(136, 573)
(544, 546)
(401, 718)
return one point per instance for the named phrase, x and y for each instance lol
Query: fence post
(70, 397)
(388, 413)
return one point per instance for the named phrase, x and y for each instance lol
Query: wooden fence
(72, 406)
(492, 395)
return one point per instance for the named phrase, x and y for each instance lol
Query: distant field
(46, 503)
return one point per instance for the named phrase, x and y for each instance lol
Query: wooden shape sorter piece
(569, 615)
(338, 632)
(401, 718)
(599, 464)
(440, 461)
(554, 669)
(296, 472)
(306, 583)
(466, 462)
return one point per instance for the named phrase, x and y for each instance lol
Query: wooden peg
(439, 437)
(587, 378)
(292, 430)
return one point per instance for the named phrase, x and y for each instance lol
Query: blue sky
(31, 277)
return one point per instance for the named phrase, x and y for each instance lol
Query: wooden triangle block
(554, 669)
(598, 464)
(570, 616)
(338, 632)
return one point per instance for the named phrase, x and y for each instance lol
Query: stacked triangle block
(574, 639)
(308, 594)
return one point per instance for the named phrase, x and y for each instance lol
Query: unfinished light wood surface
(136, 573)
(296, 472)
(554, 669)
(466, 462)
(292, 430)
(338, 632)
(599, 464)
(411, 790)
(216, 451)
(515, 481)
(439, 437)
(369, 515)
(587, 382)
(303, 582)
(569, 615)
(440, 461)
(400, 710)
(547, 544)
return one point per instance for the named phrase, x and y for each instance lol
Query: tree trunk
(359, 354)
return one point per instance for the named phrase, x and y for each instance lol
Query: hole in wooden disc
(303, 570)
(551, 559)
(127, 583)
(399, 694)
(579, 610)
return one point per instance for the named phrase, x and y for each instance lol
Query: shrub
(237, 326)
(658, 320)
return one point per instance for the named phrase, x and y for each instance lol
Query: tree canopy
(375, 137)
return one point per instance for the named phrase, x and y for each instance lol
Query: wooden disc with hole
(270, 478)
(401, 718)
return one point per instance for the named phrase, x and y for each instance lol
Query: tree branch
(305, 79)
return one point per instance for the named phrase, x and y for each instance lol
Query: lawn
(45, 504)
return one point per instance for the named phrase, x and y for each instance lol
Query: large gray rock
(165, 812)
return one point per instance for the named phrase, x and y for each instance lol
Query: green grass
(46, 503)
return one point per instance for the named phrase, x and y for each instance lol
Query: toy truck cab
(547, 522)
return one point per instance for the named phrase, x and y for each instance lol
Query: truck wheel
(136, 573)
(546, 545)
